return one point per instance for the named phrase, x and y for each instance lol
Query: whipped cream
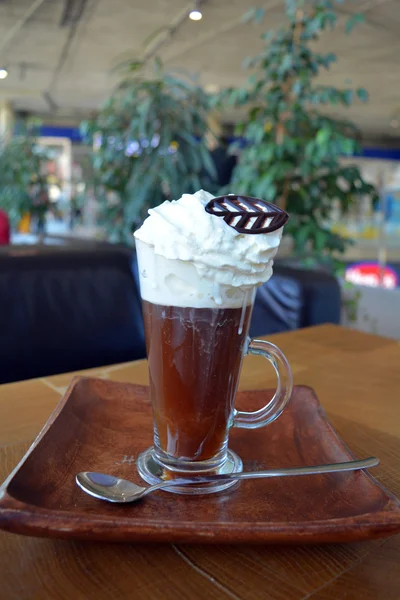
(188, 257)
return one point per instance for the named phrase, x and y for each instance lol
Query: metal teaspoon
(114, 489)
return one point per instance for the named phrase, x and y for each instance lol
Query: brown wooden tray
(102, 426)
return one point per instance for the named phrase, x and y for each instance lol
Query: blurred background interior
(109, 107)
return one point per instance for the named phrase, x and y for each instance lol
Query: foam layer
(177, 283)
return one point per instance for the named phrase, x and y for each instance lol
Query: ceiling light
(3, 73)
(195, 15)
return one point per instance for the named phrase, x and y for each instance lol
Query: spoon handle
(352, 465)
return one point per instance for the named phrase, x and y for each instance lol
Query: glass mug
(195, 356)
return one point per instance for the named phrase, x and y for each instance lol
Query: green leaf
(248, 62)
(323, 136)
(267, 36)
(286, 63)
(353, 21)
(347, 146)
(320, 239)
(290, 6)
(329, 59)
(248, 15)
(348, 97)
(254, 14)
(259, 15)
(158, 64)
(297, 87)
(362, 94)
(329, 18)
(301, 236)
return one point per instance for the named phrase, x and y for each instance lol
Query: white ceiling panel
(74, 64)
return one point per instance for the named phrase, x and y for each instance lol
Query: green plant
(23, 184)
(350, 301)
(293, 148)
(149, 140)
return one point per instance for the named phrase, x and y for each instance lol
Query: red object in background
(372, 274)
(4, 228)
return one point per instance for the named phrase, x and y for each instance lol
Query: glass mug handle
(272, 410)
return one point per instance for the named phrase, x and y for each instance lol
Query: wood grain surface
(357, 379)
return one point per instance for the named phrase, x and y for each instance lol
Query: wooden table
(357, 378)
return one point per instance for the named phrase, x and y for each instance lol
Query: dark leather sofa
(64, 309)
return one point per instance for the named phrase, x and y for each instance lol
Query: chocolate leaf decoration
(247, 214)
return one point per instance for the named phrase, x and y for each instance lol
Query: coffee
(198, 279)
(194, 355)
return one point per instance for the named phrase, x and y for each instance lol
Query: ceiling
(61, 58)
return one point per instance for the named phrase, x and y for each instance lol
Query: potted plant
(149, 145)
(292, 144)
(23, 181)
